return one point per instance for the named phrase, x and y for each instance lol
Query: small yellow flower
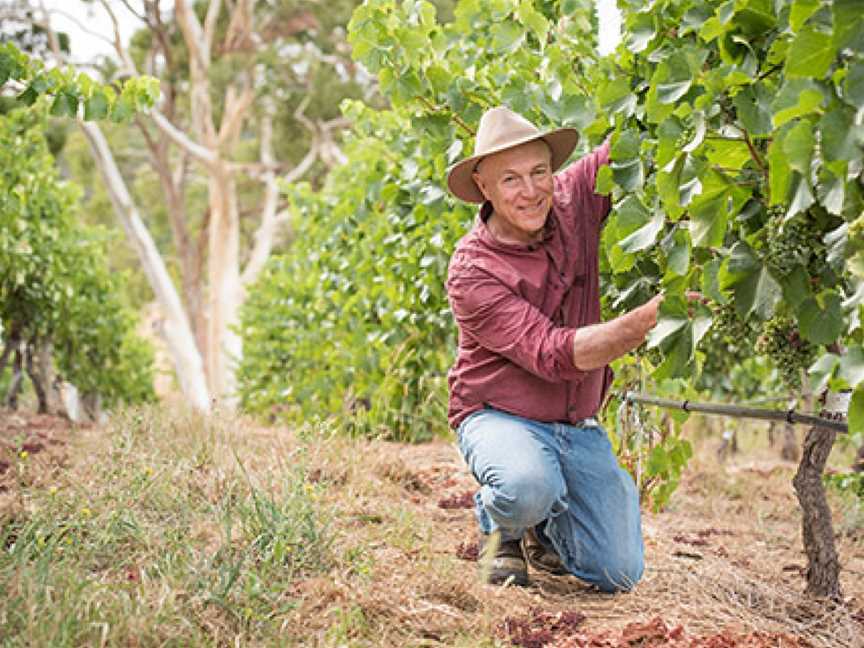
(24, 454)
(86, 512)
(148, 471)
(52, 490)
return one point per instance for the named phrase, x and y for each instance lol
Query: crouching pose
(532, 364)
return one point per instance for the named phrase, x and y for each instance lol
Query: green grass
(159, 535)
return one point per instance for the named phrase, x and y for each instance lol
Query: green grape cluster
(797, 242)
(782, 343)
(727, 324)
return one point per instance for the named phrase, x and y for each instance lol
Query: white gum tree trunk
(177, 332)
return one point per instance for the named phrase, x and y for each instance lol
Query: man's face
(518, 183)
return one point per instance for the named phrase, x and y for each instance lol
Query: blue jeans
(564, 481)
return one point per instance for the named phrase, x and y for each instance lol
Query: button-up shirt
(517, 308)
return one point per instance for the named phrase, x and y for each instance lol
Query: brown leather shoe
(539, 557)
(502, 563)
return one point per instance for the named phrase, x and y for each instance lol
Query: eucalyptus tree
(249, 99)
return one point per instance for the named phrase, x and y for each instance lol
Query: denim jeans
(564, 481)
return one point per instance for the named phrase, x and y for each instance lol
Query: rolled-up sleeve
(494, 317)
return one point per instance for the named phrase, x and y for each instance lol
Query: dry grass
(725, 555)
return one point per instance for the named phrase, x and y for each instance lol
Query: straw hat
(501, 129)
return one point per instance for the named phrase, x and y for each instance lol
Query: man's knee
(619, 573)
(523, 499)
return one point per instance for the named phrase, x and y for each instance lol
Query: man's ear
(480, 184)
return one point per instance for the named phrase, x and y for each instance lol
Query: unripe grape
(781, 341)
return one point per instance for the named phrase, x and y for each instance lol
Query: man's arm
(502, 322)
(598, 344)
(576, 183)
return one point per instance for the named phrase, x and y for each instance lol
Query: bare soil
(32, 447)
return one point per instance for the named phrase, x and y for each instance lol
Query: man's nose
(529, 187)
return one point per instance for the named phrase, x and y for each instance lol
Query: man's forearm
(598, 344)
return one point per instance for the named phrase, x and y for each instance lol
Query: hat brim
(561, 143)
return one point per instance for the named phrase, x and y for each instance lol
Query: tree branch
(210, 21)
(118, 42)
(235, 111)
(270, 220)
(196, 150)
(71, 18)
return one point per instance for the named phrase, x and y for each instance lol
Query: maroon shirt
(517, 308)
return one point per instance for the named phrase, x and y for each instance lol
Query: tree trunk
(7, 352)
(40, 369)
(823, 567)
(224, 345)
(772, 436)
(790, 449)
(17, 376)
(177, 332)
(91, 403)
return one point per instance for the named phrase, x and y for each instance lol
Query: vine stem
(456, 118)
(756, 157)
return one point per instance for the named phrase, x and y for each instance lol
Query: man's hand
(645, 316)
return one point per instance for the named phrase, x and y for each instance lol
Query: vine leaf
(644, 237)
(852, 366)
(756, 291)
(810, 54)
(820, 318)
(856, 411)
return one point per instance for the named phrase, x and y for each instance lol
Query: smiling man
(532, 365)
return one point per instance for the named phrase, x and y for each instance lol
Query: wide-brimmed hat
(501, 129)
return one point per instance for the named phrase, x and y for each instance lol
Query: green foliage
(68, 91)
(335, 325)
(846, 483)
(55, 284)
(740, 129)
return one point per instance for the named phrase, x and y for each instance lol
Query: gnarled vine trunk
(823, 566)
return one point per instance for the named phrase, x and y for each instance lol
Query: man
(532, 364)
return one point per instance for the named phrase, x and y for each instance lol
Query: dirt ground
(725, 565)
(30, 445)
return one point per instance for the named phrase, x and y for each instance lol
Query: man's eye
(509, 180)
(541, 173)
